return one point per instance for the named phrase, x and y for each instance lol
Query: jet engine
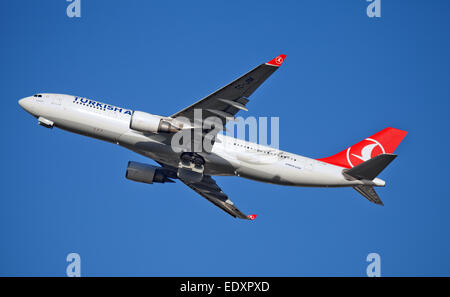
(146, 122)
(146, 173)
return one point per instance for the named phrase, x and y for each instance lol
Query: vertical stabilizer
(383, 142)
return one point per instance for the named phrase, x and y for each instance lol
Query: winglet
(252, 217)
(277, 61)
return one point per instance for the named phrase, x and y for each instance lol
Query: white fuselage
(229, 156)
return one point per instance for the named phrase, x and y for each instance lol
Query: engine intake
(146, 173)
(146, 122)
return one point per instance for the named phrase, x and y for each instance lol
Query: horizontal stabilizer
(369, 193)
(370, 169)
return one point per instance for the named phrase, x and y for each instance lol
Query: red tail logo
(383, 142)
(277, 61)
(252, 216)
(363, 151)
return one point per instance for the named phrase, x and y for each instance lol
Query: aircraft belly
(158, 147)
(293, 175)
(217, 165)
(152, 146)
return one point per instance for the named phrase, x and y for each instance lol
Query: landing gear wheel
(199, 161)
(186, 158)
(193, 158)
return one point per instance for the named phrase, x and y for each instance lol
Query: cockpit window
(37, 95)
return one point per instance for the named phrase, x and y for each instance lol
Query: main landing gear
(191, 167)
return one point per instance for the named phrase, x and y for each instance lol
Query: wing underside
(209, 189)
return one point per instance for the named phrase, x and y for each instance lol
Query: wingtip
(252, 217)
(277, 61)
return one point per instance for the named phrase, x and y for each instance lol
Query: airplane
(152, 136)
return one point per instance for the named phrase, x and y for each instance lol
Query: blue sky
(345, 77)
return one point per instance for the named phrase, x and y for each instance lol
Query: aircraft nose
(25, 103)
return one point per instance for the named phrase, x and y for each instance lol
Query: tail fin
(383, 142)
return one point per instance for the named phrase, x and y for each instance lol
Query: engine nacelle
(146, 173)
(146, 122)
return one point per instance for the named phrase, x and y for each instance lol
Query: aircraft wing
(211, 191)
(227, 101)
